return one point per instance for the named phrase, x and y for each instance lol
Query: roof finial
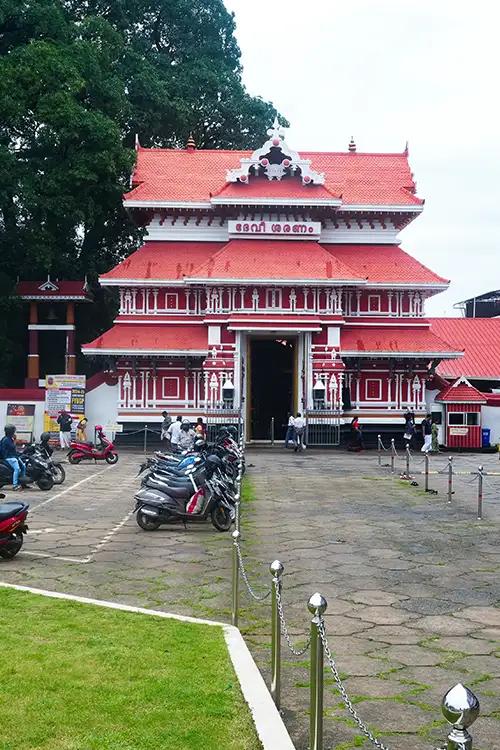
(352, 145)
(137, 145)
(407, 149)
(190, 143)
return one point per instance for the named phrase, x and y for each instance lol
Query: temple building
(272, 281)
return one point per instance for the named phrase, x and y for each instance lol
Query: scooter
(37, 472)
(105, 451)
(12, 527)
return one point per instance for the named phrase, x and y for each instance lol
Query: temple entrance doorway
(272, 385)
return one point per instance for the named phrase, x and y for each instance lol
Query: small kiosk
(462, 414)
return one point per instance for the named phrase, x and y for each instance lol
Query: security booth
(462, 404)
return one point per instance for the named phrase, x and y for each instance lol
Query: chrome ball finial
(276, 568)
(460, 706)
(236, 535)
(317, 604)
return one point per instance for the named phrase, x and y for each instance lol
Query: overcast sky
(387, 71)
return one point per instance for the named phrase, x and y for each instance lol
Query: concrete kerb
(268, 723)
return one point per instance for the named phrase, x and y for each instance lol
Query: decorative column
(33, 355)
(70, 339)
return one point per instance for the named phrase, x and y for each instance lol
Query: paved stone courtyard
(412, 583)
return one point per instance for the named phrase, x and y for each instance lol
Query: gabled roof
(54, 290)
(195, 176)
(480, 340)
(162, 261)
(385, 264)
(260, 261)
(265, 191)
(124, 338)
(461, 392)
(393, 342)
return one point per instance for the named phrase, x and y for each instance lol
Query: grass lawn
(81, 677)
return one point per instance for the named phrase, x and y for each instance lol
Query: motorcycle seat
(7, 510)
(179, 493)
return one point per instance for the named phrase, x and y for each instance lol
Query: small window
(373, 389)
(456, 418)
(171, 301)
(374, 303)
(273, 298)
(437, 417)
(472, 418)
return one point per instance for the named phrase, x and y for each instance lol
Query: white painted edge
(268, 722)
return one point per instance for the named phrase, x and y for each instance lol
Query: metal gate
(217, 418)
(322, 428)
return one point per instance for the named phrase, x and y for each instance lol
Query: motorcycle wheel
(112, 458)
(73, 458)
(10, 550)
(58, 473)
(221, 518)
(146, 522)
(45, 482)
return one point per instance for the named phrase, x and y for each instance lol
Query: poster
(23, 417)
(63, 392)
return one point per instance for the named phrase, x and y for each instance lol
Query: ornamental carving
(275, 160)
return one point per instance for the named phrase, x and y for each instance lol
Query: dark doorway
(271, 386)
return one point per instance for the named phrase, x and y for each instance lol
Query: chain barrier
(244, 575)
(283, 627)
(343, 693)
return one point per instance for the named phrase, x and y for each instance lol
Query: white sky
(387, 71)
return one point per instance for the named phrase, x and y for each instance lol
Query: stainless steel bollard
(426, 470)
(480, 494)
(379, 440)
(276, 568)
(236, 576)
(393, 453)
(408, 460)
(272, 430)
(317, 605)
(460, 708)
(145, 439)
(450, 478)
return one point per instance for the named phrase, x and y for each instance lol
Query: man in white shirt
(299, 424)
(174, 433)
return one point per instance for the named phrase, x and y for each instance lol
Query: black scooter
(37, 472)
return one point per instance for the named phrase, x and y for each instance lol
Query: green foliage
(81, 677)
(78, 80)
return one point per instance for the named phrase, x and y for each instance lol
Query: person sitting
(8, 452)
(187, 436)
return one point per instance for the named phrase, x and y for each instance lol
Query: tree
(78, 80)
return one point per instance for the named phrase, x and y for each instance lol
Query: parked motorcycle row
(192, 487)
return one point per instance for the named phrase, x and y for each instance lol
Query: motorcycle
(166, 501)
(12, 527)
(44, 449)
(104, 451)
(37, 472)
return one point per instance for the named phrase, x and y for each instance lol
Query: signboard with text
(63, 392)
(302, 230)
(22, 416)
(459, 430)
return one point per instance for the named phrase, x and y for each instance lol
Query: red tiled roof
(461, 393)
(274, 259)
(384, 263)
(287, 189)
(163, 260)
(479, 337)
(178, 175)
(393, 341)
(64, 289)
(161, 339)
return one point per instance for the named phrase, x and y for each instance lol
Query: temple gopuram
(272, 281)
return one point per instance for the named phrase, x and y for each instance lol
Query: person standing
(409, 427)
(427, 433)
(167, 421)
(434, 437)
(81, 430)
(299, 426)
(8, 452)
(200, 429)
(290, 431)
(173, 434)
(187, 436)
(64, 420)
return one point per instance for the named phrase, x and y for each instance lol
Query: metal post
(272, 430)
(379, 450)
(276, 569)
(235, 587)
(145, 439)
(317, 606)
(237, 498)
(393, 453)
(450, 478)
(480, 494)
(407, 460)
(460, 708)
(426, 464)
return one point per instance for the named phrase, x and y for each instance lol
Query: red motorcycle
(104, 450)
(12, 527)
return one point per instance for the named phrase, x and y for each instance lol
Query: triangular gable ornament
(48, 286)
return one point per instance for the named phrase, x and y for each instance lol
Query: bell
(51, 315)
